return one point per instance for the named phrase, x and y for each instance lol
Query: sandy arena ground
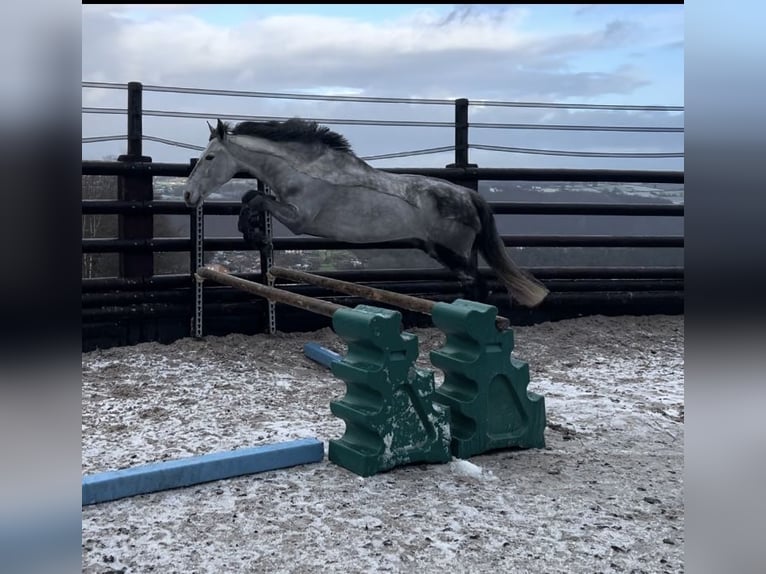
(604, 495)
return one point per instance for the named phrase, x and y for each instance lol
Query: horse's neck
(259, 165)
(285, 167)
(269, 166)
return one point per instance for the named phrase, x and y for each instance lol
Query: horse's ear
(212, 129)
(220, 130)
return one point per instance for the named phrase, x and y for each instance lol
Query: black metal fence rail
(139, 306)
(170, 281)
(156, 169)
(160, 245)
(104, 207)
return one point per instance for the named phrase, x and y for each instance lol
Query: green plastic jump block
(389, 410)
(484, 387)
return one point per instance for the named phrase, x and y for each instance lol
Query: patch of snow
(466, 468)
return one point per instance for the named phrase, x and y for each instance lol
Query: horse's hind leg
(466, 269)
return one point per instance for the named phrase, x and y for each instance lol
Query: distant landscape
(555, 192)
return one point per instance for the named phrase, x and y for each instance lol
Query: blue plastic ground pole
(118, 484)
(321, 355)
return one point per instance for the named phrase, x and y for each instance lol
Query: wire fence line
(398, 123)
(248, 118)
(166, 141)
(426, 151)
(97, 139)
(371, 99)
(576, 153)
(409, 153)
(393, 123)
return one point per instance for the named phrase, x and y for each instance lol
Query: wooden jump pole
(399, 300)
(277, 295)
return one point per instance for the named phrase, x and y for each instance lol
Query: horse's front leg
(251, 222)
(254, 202)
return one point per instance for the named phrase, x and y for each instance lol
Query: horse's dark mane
(293, 130)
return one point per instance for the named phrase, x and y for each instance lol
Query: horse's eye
(209, 156)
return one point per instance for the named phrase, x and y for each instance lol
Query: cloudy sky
(574, 54)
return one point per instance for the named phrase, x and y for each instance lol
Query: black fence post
(461, 140)
(461, 161)
(194, 229)
(461, 145)
(135, 187)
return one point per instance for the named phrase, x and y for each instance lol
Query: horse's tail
(521, 285)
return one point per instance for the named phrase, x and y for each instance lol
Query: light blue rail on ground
(320, 354)
(127, 482)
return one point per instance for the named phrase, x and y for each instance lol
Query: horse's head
(215, 167)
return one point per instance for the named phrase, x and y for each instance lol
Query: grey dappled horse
(323, 189)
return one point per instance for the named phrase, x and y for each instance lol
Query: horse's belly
(357, 222)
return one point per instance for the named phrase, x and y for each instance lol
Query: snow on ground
(604, 495)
